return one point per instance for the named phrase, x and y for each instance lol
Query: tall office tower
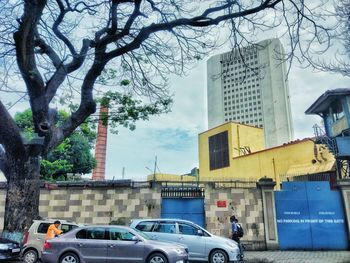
(249, 86)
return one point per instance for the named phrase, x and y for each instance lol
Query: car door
(164, 231)
(123, 248)
(188, 235)
(92, 244)
(38, 238)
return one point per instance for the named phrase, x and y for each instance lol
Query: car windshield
(145, 236)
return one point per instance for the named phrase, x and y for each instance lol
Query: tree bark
(22, 200)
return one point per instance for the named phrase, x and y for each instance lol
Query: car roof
(109, 226)
(162, 219)
(51, 220)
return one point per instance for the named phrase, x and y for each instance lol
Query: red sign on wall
(221, 203)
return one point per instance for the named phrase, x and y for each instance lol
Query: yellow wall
(273, 162)
(238, 136)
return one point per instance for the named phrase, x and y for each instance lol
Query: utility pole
(155, 166)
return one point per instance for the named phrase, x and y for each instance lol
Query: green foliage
(125, 82)
(107, 74)
(124, 110)
(73, 155)
(76, 151)
(52, 171)
(24, 121)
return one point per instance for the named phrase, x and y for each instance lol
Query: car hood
(5, 240)
(166, 244)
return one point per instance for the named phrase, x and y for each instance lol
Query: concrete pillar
(267, 190)
(100, 148)
(344, 187)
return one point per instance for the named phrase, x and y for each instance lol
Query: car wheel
(30, 256)
(69, 258)
(218, 256)
(157, 258)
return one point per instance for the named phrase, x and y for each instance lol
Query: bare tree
(339, 63)
(81, 48)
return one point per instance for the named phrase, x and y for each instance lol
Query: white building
(249, 86)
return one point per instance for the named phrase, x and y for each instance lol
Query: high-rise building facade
(249, 86)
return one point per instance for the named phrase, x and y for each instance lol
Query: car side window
(146, 226)
(120, 234)
(92, 233)
(186, 229)
(65, 227)
(165, 227)
(43, 227)
(81, 234)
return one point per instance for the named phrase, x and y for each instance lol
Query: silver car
(110, 244)
(202, 245)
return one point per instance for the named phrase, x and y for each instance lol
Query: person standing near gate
(237, 233)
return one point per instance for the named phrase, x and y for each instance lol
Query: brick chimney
(100, 149)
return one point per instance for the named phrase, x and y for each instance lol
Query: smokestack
(100, 150)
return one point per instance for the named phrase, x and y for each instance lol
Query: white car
(202, 245)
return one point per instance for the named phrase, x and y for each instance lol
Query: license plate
(15, 250)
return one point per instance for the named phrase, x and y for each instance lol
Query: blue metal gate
(310, 216)
(191, 209)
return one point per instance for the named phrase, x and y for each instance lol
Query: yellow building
(234, 151)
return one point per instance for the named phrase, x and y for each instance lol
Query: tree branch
(10, 137)
(48, 50)
(58, 33)
(25, 52)
(87, 103)
(112, 36)
(61, 73)
(198, 21)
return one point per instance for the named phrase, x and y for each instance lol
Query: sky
(172, 139)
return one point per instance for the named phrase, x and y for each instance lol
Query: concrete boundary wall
(101, 205)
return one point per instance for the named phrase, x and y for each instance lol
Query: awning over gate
(311, 169)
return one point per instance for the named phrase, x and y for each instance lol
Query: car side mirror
(136, 239)
(200, 232)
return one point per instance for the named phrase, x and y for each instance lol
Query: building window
(218, 151)
(337, 110)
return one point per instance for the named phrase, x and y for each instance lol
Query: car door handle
(38, 238)
(80, 245)
(153, 237)
(181, 238)
(111, 246)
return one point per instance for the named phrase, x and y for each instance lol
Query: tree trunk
(22, 200)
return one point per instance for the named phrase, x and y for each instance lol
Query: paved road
(298, 256)
(292, 257)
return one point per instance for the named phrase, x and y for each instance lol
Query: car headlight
(179, 250)
(4, 246)
(231, 244)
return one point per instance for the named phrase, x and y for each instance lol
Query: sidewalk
(297, 256)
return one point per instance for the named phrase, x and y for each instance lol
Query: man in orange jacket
(53, 230)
